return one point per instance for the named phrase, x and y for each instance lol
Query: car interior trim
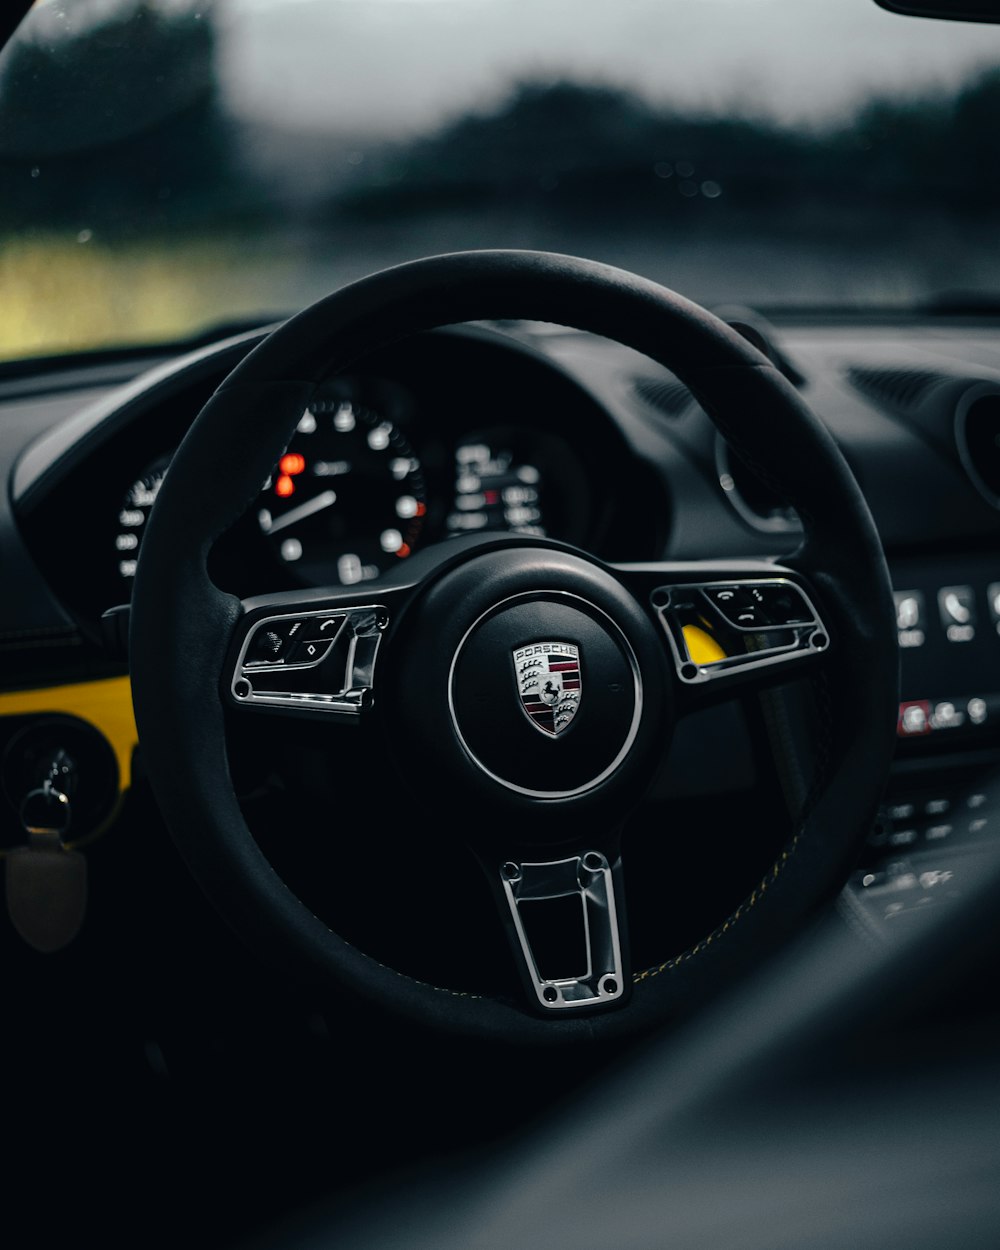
(105, 704)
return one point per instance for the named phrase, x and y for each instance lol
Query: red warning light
(292, 463)
(284, 486)
(403, 550)
(421, 509)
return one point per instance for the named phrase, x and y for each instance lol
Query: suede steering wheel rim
(185, 633)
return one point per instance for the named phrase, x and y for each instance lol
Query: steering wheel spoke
(731, 626)
(566, 923)
(309, 655)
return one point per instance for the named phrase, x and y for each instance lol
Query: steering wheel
(525, 692)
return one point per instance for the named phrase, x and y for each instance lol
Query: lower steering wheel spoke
(566, 922)
(731, 626)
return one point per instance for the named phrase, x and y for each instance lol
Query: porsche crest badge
(549, 683)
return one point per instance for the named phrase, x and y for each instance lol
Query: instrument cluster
(374, 472)
(456, 431)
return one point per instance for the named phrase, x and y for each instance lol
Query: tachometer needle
(317, 504)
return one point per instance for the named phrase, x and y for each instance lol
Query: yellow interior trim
(107, 705)
(702, 647)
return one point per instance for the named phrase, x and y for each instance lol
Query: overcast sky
(399, 65)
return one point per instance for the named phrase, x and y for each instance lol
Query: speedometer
(347, 499)
(344, 503)
(133, 515)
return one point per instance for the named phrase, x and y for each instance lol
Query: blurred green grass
(64, 293)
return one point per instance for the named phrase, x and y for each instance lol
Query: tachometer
(347, 499)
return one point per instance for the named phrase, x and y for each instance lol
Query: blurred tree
(974, 149)
(567, 147)
(114, 125)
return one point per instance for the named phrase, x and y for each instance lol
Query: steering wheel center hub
(546, 695)
(542, 698)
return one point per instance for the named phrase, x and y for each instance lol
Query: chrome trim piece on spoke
(587, 877)
(798, 639)
(345, 665)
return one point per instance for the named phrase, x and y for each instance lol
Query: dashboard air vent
(977, 438)
(901, 389)
(667, 397)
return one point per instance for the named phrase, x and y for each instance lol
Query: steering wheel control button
(756, 606)
(716, 629)
(321, 628)
(323, 661)
(783, 604)
(545, 695)
(310, 651)
(566, 923)
(735, 605)
(269, 646)
(270, 643)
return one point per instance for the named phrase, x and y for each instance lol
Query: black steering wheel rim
(182, 623)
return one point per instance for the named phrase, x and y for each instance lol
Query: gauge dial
(134, 514)
(495, 486)
(347, 498)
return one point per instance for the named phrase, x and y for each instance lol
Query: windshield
(168, 166)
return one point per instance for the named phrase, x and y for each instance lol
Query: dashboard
(534, 429)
